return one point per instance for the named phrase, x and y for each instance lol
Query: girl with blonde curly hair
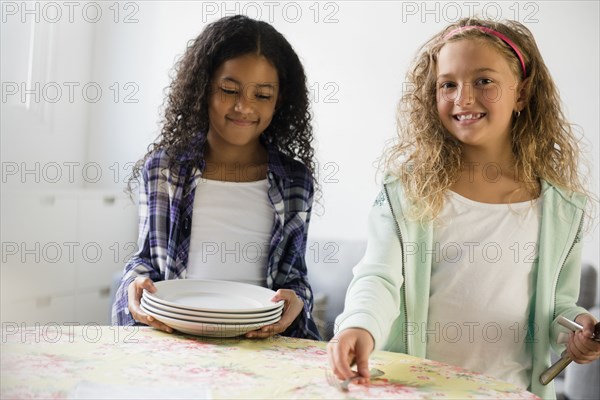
(475, 240)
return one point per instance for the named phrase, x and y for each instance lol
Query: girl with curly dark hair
(235, 151)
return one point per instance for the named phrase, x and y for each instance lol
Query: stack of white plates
(211, 308)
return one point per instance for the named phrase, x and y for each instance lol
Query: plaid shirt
(166, 204)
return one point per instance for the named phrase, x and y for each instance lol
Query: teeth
(468, 116)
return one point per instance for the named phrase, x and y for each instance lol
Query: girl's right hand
(350, 346)
(134, 295)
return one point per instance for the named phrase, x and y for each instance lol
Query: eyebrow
(260, 85)
(480, 70)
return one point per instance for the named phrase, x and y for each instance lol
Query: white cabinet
(35, 259)
(93, 306)
(57, 309)
(60, 250)
(107, 230)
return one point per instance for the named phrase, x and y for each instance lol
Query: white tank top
(484, 257)
(231, 231)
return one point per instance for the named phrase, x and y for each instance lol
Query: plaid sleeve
(296, 275)
(304, 326)
(140, 263)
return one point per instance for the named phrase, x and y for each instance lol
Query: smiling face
(477, 93)
(242, 102)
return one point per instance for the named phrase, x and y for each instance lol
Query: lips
(242, 122)
(473, 116)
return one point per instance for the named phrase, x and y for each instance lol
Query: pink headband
(493, 33)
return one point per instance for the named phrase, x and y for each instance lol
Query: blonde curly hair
(428, 159)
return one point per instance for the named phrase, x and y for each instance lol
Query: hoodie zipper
(563, 264)
(402, 288)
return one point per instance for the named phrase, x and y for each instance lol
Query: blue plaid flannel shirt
(165, 208)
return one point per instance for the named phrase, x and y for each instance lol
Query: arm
(580, 347)
(292, 283)
(140, 264)
(567, 292)
(373, 297)
(297, 281)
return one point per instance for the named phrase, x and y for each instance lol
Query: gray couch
(330, 264)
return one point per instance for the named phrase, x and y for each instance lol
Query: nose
(464, 95)
(243, 104)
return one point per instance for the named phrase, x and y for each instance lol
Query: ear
(523, 92)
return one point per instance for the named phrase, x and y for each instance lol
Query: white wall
(355, 64)
(358, 58)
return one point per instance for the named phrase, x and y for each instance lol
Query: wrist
(581, 318)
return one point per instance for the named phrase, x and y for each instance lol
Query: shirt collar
(277, 164)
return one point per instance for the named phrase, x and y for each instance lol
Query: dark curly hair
(185, 123)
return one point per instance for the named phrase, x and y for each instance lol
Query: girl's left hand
(291, 309)
(581, 348)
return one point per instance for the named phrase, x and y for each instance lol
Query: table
(67, 361)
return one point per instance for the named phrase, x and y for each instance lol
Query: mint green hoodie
(389, 294)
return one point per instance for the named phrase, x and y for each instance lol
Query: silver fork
(342, 386)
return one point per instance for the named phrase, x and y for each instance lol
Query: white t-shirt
(231, 231)
(484, 258)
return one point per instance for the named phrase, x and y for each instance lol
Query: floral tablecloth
(72, 361)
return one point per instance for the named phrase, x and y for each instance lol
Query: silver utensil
(342, 386)
(556, 368)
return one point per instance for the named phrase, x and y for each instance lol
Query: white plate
(208, 330)
(182, 311)
(240, 320)
(213, 296)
